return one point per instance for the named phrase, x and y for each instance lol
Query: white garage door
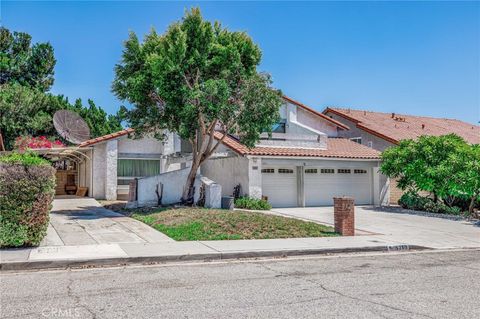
(279, 184)
(322, 184)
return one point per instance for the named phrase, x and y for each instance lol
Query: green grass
(214, 224)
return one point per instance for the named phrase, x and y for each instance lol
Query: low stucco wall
(228, 172)
(173, 183)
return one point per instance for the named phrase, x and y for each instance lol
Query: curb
(103, 262)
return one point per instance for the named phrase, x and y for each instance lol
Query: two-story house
(305, 162)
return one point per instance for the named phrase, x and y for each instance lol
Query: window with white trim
(311, 171)
(285, 171)
(344, 171)
(268, 170)
(327, 171)
(128, 169)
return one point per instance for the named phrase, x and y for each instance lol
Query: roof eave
(323, 116)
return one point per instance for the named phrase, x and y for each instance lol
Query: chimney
(393, 115)
(423, 126)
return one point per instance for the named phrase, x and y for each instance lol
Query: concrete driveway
(402, 228)
(83, 221)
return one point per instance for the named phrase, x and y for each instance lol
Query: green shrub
(252, 203)
(411, 200)
(27, 187)
(27, 159)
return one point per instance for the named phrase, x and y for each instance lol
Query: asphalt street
(387, 285)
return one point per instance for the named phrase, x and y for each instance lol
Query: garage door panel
(280, 188)
(320, 188)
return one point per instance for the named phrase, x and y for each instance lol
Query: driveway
(83, 221)
(402, 228)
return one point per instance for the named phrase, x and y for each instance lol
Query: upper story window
(356, 140)
(280, 127)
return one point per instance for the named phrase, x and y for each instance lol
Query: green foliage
(25, 63)
(27, 187)
(445, 166)
(196, 78)
(26, 159)
(26, 111)
(252, 203)
(411, 200)
(26, 74)
(99, 122)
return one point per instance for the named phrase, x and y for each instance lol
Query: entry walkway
(83, 221)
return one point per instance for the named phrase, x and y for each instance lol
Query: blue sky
(418, 58)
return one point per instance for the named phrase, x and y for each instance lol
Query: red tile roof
(336, 148)
(107, 137)
(395, 127)
(323, 116)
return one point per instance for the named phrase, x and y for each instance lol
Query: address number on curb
(398, 247)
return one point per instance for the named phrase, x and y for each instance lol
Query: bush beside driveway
(27, 187)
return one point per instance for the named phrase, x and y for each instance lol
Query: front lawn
(216, 224)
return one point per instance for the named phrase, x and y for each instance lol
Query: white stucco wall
(146, 145)
(298, 121)
(316, 122)
(173, 183)
(228, 172)
(99, 171)
(111, 170)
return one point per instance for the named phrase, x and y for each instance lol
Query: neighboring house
(304, 162)
(381, 130)
(106, 164)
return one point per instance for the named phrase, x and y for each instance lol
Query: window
(285, 171)
(360, 171)
(268, 170)
(344, 171)
(356, 140)
(327, 171)
(279, 127)
(311, 171)
(128, 169)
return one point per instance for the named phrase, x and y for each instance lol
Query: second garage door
(322, 184)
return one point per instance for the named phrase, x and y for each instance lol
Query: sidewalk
(122, 253)
(82, 233)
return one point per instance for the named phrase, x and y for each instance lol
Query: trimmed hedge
(252, 203)
(27, 187)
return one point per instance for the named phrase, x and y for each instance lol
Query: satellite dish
(71, 126)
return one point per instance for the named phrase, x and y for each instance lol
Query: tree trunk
(188, 189)
(472, 204)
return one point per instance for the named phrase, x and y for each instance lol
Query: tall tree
(25, 63)
(194, 80)
(26, 108)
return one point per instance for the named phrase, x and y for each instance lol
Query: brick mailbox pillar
(344, 215)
